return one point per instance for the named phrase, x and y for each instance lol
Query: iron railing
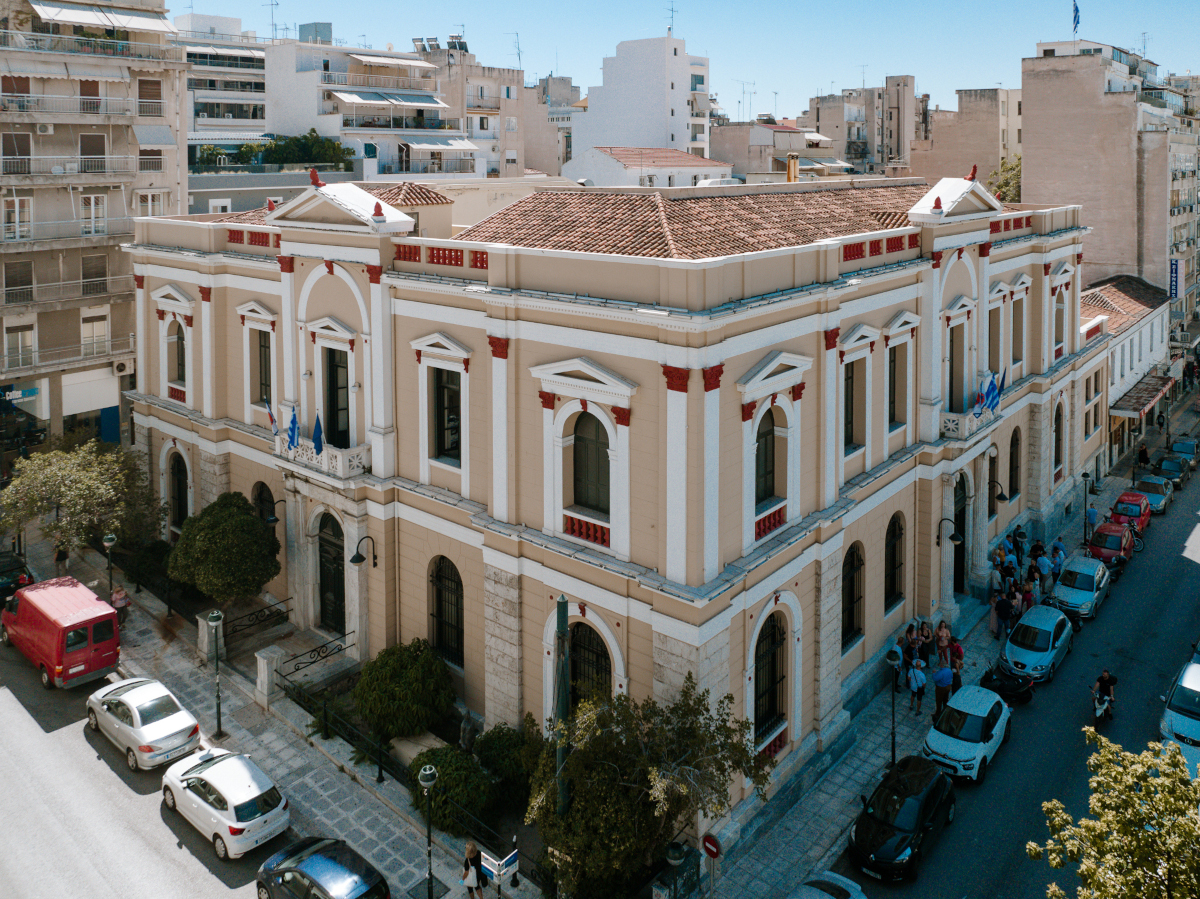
(66, 165)
(411, 123)
(457, 166)
(68, 290)
(29, 358)
(13, 232)
(398, 82)
(67, 105)
(62, 43)
(302, 660)
(276, 613)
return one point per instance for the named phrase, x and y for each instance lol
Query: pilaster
(214, 477)
(712, 470)
(499, 417)
(828, 706)
(832, 457)
(946, 606)
(208, 376)
(502, 647)
(381, 430)
(677, 472)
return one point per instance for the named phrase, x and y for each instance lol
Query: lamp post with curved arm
(358, 558)
(955, 537)
(273, 519)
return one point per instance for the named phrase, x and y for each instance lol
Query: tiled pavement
(329, 794)
(812, 833)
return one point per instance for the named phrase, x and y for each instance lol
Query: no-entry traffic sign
(712, 846)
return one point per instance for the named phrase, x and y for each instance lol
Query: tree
(637, 772)
(81, 492)
(226, 551)
(1005, 184)
(306, 149)
(404, 691)
(1142, 839)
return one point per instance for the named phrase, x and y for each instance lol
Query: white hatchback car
(144, 720)
(227, 798)
(1180, 722)
(968, 733)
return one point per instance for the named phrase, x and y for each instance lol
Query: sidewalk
(812, 834)
(329, 795)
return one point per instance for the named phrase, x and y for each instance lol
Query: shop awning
(440, 143)
(154, 137)
(1141, 397)
(101, 17)
(392, 61)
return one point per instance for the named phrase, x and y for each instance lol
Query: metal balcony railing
(79, 352)
(150, 107)
(15, 232)
(61, 43)
(399, 82)
(403, 122)
(484, 103)
(339, 462)
(68, 290)
(209, 37)
(66, 165)
(67, 105)
(150, 163)
(458, 166)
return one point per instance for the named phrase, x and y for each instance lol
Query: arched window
(591, 464)
(1014, 464)
(764, 458)
(331, 556)
(591, 667)
(176, 353)
(264, 502)
(178, 475)
(770, 676)
(1058, 437)
(852, 595)
(447, 611)
(893, 563)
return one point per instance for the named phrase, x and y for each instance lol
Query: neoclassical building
(735, 428)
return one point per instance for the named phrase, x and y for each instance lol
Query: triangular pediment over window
(173, 297)
(859, 335)
(774, 373)
(340, 207)
(959, 305)
(330, 327)
(903, 321)
(440, 344)
(581, 378)
(954, 198)
(254, 309)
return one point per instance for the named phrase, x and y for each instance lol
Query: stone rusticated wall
(502, 647)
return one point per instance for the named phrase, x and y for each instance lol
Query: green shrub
(499, 750)
(404, 690)
(460, 778)
(149, 562)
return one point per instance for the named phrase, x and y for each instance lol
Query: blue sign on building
(1174, 279)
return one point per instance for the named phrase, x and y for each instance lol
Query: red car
(1111, 540)
(1132, 508)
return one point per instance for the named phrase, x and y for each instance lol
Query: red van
(64, 629)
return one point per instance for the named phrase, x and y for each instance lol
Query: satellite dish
(389, 46)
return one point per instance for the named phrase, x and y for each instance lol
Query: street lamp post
(894, 658)
(358, 558)
(955, 537)
(427, 778)
(675, 854)
(272, 519)
(110, 540)
(215, 619)
(1087, 480)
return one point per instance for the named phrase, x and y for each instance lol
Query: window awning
(19, 65)
(227, 137)
(440, 143)
(154, 137)
(1141, 397)
(367, 98)
(392, 61)
(224, 51)
(140, 20)
(85, 72)
(420, 101)
(101, 17)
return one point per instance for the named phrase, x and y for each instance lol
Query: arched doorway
(178, 493)
(591, 666)
(770, 676)
(447, 636)
(331, 551)
(960, 525)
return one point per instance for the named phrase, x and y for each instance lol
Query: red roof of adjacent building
(693, 227)
(1126, 300)
(657, 157)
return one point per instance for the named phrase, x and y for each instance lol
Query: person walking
(1143, 455)
(957, 657)
(1018, 548)
(925, 648)
(994, 624)
(1056, 563)
(1045, 569)
(942, 640)
(943, 680)
(61, 557)
(1005, 613)
(916, 685)
(1092, 518)
(901, 666)
(473, 871)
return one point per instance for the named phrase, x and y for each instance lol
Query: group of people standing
(925, 649)
(1015, 587)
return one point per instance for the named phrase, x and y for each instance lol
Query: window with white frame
(443, 400)
(177, 354)
(218, 205)
(93, 214)
(263, 366)
(18, 346)
(18, 220)
(94, 332)
(154, 203)
(258, 359)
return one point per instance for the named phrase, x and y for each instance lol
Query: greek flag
(274, 425)
(991, 393)
(318, 437)
(294, 431)
(1076, 7)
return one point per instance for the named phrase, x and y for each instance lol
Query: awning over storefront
(1141, 397)
(392, 61)
(441, 143)
(102, 18)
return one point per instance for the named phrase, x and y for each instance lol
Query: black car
(318, 868)
(1175, 467)
(1012, 688)
(914, 799)
(1188, 448)
(13, 574)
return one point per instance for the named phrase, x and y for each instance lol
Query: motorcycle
(1116, 567)
(1100, 705)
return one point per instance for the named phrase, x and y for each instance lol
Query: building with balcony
(643, 167)
(870, 127)
(511, 415)
(654, 95)
(90, 136)
(758, 151)
(1101, 127)
(984, 131)
(549, 118)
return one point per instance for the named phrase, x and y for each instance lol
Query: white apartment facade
(643, 167)
(870, 127)
(654, 95)
(91, 135)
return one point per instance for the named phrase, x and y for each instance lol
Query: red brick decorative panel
(1029, 221)
(233, 236)
(1008, 224)
(1058, 476)
(775, 747)
(445, 256)
(177, 394)
(260, 239)
(277, 241)
(1093, 331)
(877, 248)
(895, 244)
(408, 253)
(768, 523)
(586, 530)
(853, 251)
(995, 227)
(914, 241)
(1058, 351)
(479, 259)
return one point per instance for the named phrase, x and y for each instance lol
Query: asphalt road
(1143, 634)
(77, 822)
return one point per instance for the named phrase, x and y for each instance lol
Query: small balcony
(34, 104)
(964, 425)
(395, 82)
(80, 355)
(341, 463)
(67, 166)
(86, 230)
(769, 516)
(484, 104)
(408, 123)
(457, 166)
(61, 43)
(589, 529)
(64, 291)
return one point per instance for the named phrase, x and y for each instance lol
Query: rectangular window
(893, 352)
(150, 97)
(1018, 330)
(15, 150)
(92, 153)
(94, 332)
(18, 346)
(95, 275)
(14, 84)
(510, 123)
(483, 123)
(150, 160)
(446, 412)
(154, 204)
(994, 336)
(17, 218)
(89, 96)
(264, 368)
(336, 421)
(993, 482)
(93, 214)
(18, 281)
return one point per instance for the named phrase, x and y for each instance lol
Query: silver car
(144, 720)
(1038, 644)
(1082, 586)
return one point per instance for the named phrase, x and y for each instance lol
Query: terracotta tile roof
(657, 157)
(406, 193)
(1124, 299)
(249, 217)
(658, 225)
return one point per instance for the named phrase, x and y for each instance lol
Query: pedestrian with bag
(473, 877)
(61, 558)
(916, 685)
(957, 657)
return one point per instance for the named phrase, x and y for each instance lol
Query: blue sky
(946, 44)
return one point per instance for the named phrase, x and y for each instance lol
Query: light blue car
(1160, 492)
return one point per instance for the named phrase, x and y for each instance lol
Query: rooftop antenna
(363, 38)
(517, 45)
(776, 93)
(744, 84)
(671, 10)
(864, 75)
(272, 4)
(1143, 45)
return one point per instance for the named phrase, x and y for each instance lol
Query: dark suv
(13, 574)
(318, 868)
(1173, 466)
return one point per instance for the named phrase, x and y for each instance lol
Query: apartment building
(643, 167)
(870, 127)
(654, 95)
(758, 151)
(489, 102)
(984, 131)
(386, 106)
(1141, 372)
(511, 415)
(549, 115)
(1102, 127)
(90, 136)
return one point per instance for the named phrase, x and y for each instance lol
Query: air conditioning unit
(229, 115)
(45, 129)
(204, 115)
(125, 367)
(328, 95)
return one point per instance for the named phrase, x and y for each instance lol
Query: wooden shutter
(149, 89)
